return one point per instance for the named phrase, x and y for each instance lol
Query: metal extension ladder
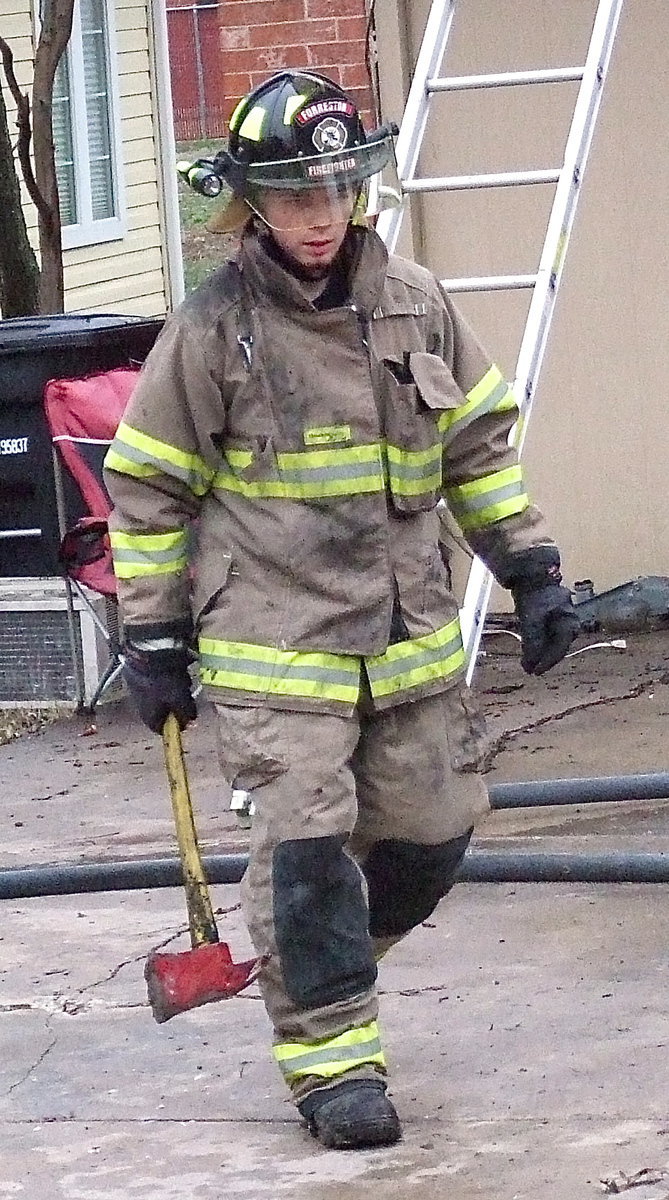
(567, 178)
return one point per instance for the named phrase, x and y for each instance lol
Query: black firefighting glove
(159, 683)
(546, 616)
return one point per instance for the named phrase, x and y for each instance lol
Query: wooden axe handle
(201, 921)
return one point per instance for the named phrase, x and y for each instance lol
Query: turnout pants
(360, 824)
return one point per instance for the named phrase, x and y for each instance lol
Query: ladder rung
(489, 283)
(465, 83)
(459, 183)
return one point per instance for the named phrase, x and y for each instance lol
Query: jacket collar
(364, 259)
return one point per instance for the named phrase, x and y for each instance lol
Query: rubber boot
(352, 1115)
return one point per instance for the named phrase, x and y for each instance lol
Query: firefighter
(275, 481)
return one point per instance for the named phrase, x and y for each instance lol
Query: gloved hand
(546, 616)
(159, 684)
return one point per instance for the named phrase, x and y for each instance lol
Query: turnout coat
(277, 473)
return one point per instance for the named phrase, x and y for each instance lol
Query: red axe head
(177, 982)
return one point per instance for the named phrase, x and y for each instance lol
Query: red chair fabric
(83, 416)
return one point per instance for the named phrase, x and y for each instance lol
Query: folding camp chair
(83, 415)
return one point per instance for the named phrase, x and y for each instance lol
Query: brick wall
(259, 37)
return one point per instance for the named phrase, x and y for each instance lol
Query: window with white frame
(86, 130)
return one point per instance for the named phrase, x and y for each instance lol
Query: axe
(178, 982)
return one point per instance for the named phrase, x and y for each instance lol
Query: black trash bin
(32, 351)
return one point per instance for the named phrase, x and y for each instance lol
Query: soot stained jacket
(277, 472)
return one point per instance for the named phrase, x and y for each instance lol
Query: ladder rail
(542, 306)
(412, 129)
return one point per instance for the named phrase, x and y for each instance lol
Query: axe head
(178, 982)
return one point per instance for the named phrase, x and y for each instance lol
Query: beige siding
(596, 449)
(117, 293)
(128, 276)
(124, 275)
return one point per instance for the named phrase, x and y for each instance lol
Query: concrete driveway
(526, 1025)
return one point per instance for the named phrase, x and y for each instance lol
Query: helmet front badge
(329, 136)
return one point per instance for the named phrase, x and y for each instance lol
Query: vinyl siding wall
(125, 276)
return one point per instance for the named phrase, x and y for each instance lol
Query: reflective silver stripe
(163, 643)
(325, 474)
(359, 1053)
(387, 669)
(475, 503)
(247, 667)
(174, 554)
(193, 477)
(251, 666)
(422, 660)
(403, 467)
(501, 392)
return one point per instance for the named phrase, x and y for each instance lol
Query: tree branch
(54, 36)
(25, 132)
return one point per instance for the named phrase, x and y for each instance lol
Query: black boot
(353, 1114)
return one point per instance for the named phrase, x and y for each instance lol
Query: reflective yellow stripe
(292, 105)
(126, 466)
(239, 459)
(421, 660)
(244, 666)
(495, 512)
(138, 554)
(307, 474)
(413, 472)
(131, 446)
(232, 123)
(491, 394)
(251, 126)
(147, 541)
(330, 461)
(126, 570)
(331, 1056)
(483, 501)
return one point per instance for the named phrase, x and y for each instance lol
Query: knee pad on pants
(406, 881)
(321, 922)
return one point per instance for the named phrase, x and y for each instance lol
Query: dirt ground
(526, 1024)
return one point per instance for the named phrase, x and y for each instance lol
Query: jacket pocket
(468, 740)
(247, 460)
(418, 392)
(211, 576)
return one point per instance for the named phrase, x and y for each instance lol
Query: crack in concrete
(116, 1121)
(71, 1003)
(429, 987)
(499, 743)
(38, 1061)
(129, 961)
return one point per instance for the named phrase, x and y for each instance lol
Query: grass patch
(202, 251)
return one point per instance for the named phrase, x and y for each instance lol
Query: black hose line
(478, 866)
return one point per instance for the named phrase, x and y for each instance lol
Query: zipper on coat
(395, 619)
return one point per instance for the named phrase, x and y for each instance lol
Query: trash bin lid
(31, 334)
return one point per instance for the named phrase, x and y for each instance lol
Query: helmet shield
(325, 189)
(315, 207)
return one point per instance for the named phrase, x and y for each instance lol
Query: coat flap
(434, 381)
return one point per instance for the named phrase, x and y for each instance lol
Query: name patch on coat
(327, 435)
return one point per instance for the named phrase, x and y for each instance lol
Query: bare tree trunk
(55, 34)
(19, 272)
